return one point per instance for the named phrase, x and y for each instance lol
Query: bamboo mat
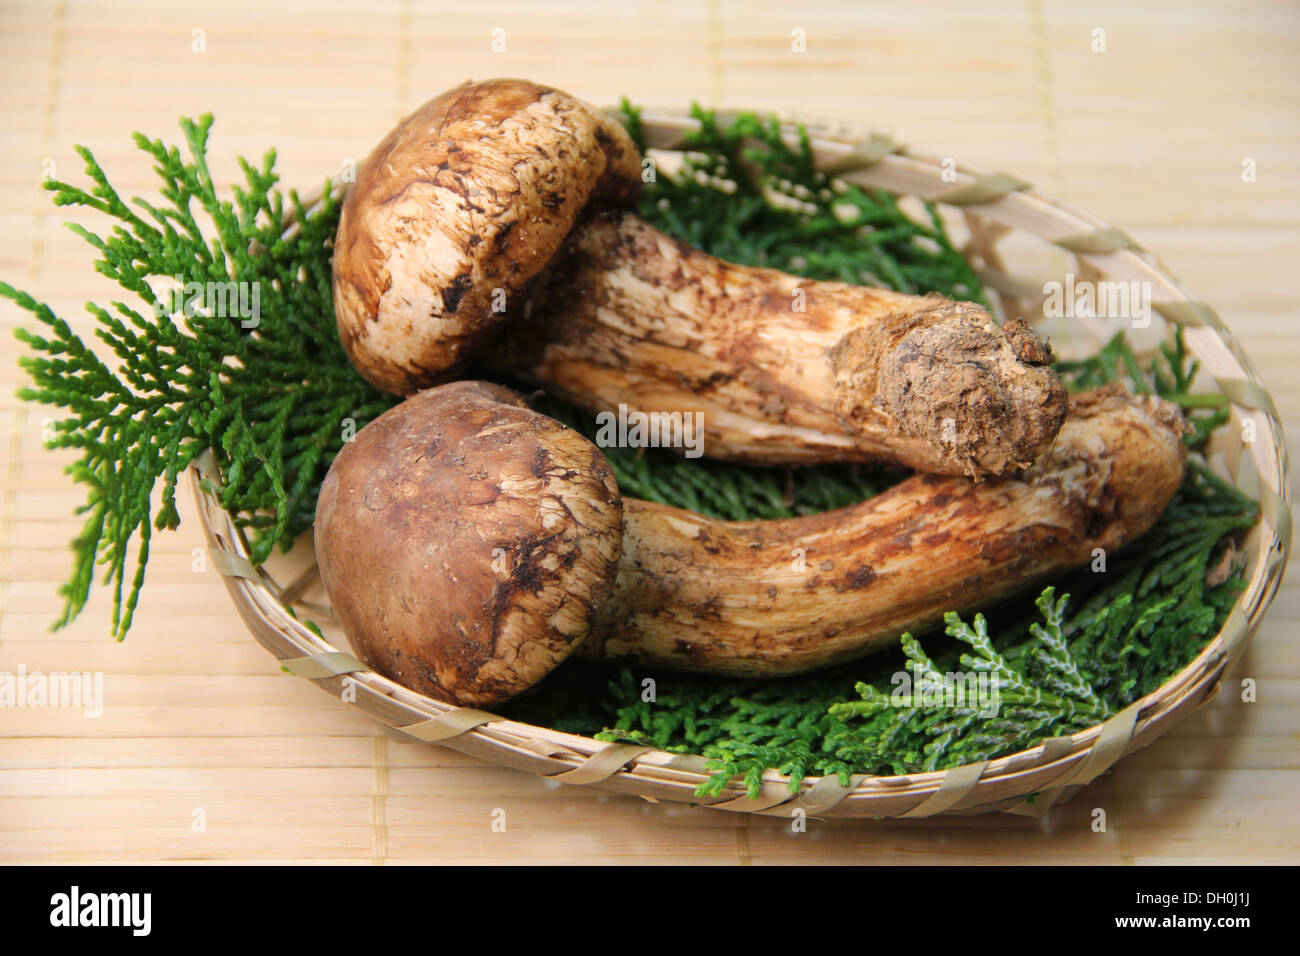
(205, 751)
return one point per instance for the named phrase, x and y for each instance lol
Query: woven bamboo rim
(994, 206)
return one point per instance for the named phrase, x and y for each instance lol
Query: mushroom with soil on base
(469, 545)
(505, 205)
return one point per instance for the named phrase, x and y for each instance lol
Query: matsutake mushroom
(505, 204)
(468, 545)
(465, 542)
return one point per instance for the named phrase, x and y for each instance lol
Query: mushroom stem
(773, 598)
(783, 370)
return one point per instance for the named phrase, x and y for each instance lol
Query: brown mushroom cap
(456, 212)
(465, 540)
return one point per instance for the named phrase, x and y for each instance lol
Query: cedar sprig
(938, 724)
(1169, 373)
(270, 392)
(748, 196)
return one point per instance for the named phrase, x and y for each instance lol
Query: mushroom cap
(465, 541)
(456, 212)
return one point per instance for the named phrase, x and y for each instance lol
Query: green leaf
(269, 396)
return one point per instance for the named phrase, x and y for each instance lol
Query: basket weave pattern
(994, 206)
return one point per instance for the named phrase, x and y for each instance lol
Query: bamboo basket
(999, 213)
